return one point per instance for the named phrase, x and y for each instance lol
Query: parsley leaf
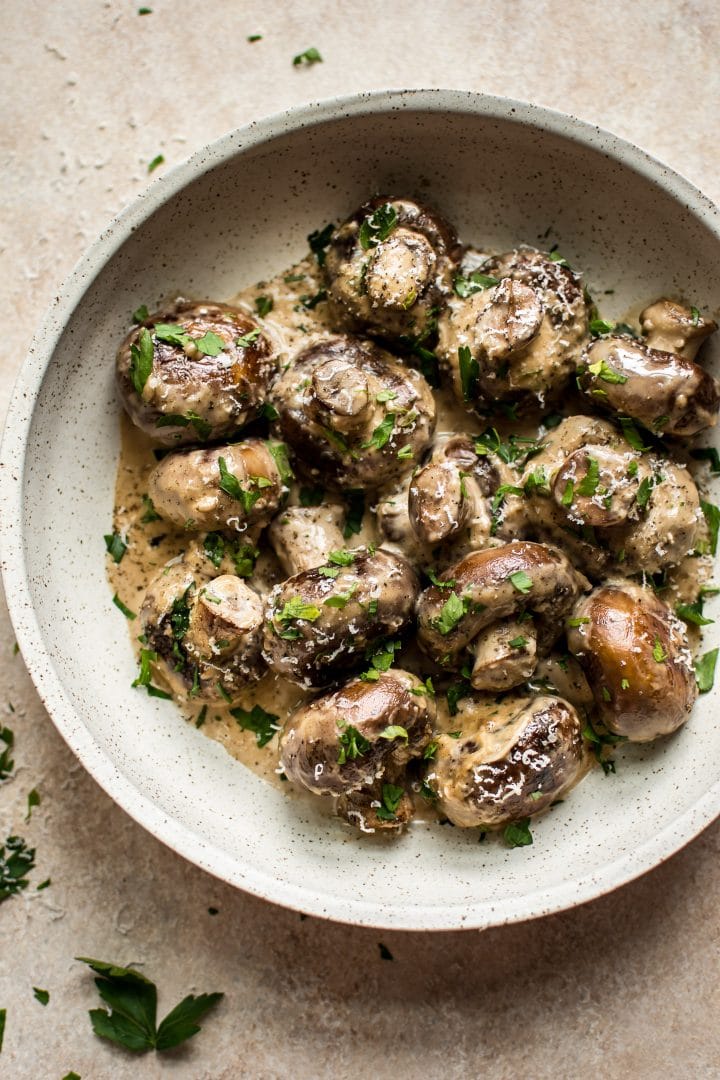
(144, 678)
(608, 374)
(693, 613)
(116, 546)
(391, 797)
(132, 1020)
(709, 454)
(712, 517)
(631, 434)
(591, 479)
(308, 57)
(340, 600)
(264, 724)
(469, 372)
(382, 433)
(319, 241)
(451, 613)
(210, 344)
(296, 608)
(263, 305)
(394, 731)
(172, 334)
(43, 996)
(6, 762)
(341, 558)
(705, 671)
(3, 1017)
(312, 496)
(247, 339)
(377, 226)
(141, 314)
(16, 860)
(151, 513)
(517, 833)
(159, 159)
(355, 513)
(381, 659)
(278, 452)
(202, 426)
(33, 800)
(520, 581)
(141, 360)
(474, 283)
(659, 654)
(352, 744)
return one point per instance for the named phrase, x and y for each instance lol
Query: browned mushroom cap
(229, 487)
(196, 371)
(512, 759)
(354, 415)
(303, 536)
(516, 331)
(347, 740)
(674, 328)
(390, 265)
(452, 497)
(599, 497)
(320, 623)
(492, 585)
(661, 390)
(636, 657)
(205, 633)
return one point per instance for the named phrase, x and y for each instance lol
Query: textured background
(628, 985)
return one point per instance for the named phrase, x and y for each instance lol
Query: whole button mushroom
(204, 634)
(195, 372)
(355, 741)
(601, 498)
(511, 760)
(515, 330)
(635, 654)
(466, 612)
(319, 623)
(303, 536)
(355, 416)
(390, 266)
(236, 487)
(655, 381)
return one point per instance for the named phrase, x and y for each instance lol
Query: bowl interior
(502, 175)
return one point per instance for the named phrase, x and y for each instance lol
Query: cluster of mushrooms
(511, 569)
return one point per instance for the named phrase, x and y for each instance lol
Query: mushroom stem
(675, 328)
(505, 655)
(302, 536)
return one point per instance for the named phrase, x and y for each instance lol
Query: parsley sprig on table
(132, 1020)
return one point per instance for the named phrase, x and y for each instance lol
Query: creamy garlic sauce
(151, 544)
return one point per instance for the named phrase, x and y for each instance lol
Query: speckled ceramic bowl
(240, 209)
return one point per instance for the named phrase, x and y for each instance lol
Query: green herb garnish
(705, 671)
(474, 283)
(451, 613)
(116, 546)
(591, 479)
(159, 159)
(520, 581)
(382, 433)
(517, 833)
(709, 454)
(377, 226)
(391, 797)
(263, 305)
(319, 241)
(469, 372)
(307, 58)
(352, 744)
(16, 860)
(123, 607)
(263, 724)
(141, 360)
(132, 1020)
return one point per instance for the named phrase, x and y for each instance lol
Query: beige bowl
(240, 209)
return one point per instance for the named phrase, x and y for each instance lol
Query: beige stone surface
(626, 986)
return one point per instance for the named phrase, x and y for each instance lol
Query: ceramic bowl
(238, 210)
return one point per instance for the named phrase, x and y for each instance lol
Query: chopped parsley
(296, 609)
(16, 860)
(150, 513)
(319, 241)
(6, 762)
(132, 1020)
(712, 517)
(341, 558)
(405, 454)
(278, 452)
(515, 451)
(311, 302)
(394, 731)
(209, 344)
(43, 996)
(474, 283)
(141, 360)
(705, 671)
(381, 659)
(377, 226)
(631, 434)
(693, 613)
(141, 314)
(451, 613)
(469, 372)
(123, 607)
(520, 581)
(382, 433)
(695, 314)
(307, 58)
(263, 724)
(116, 546)
(608, 374)
(312, 496)
(591, 479)
(247, 339)
(144, 678)
(449, 584)
(517, 833)
(352, 744)
(580, 621)
(355, 511)
(498, 500)
(518, 642)
(568, 494)
(230, 484)
(426, 690)
(263, 305)
(172, 334)
(202, 427)
(340, 600)
(391, 797)
(159, 159)
(252, 38)
(659, 654)
(709, 454)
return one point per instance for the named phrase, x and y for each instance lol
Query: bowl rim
(311, 898)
